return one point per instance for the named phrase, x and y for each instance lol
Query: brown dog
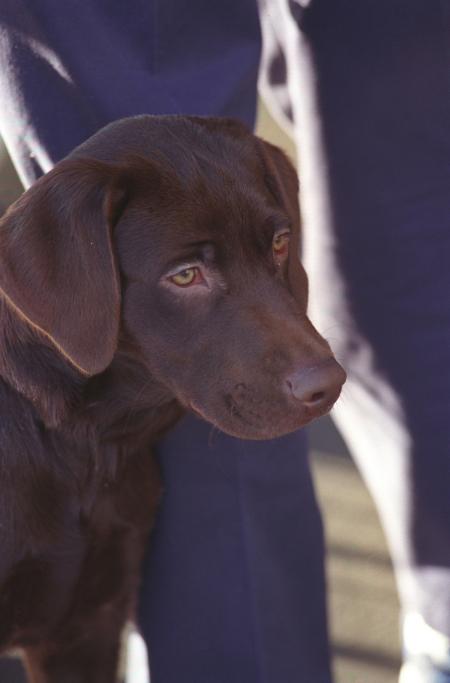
(154, 270)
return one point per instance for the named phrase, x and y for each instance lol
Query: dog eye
(187, 277)
(280, 246)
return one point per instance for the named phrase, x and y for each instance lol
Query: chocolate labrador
(153, 271)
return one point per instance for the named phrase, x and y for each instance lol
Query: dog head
(182, 233)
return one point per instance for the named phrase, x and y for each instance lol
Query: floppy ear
(57, 266)
(282, 181)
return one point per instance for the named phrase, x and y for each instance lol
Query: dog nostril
(314, 399)
(317, 386)
(317, 397)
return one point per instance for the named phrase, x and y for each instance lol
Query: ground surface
(362, 597)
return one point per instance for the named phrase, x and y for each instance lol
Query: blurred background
(362, 598)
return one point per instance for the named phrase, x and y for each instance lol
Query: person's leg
(234, 581)
(233, 589)
(67, 71)
(370, 95)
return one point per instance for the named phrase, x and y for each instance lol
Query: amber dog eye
(280, 247)
(187, 277)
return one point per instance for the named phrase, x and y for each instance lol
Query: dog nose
(319, 386)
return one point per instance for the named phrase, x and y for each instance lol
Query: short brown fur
(98, 358)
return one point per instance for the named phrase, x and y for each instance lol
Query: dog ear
(282, 180)
(57, 265)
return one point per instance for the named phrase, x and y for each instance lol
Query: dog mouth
(271, 422)
(258, 420)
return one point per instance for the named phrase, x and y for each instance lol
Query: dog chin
(260, 429)
(265, 432)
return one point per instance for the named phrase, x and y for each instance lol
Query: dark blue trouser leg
(67, 71)
(234, 583)
(234, 590)
(371, 102)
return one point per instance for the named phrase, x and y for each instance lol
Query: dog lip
(256, 423)
(195, 409)
(249, 418)
(240, 425)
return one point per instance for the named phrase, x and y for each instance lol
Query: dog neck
(123, 401)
